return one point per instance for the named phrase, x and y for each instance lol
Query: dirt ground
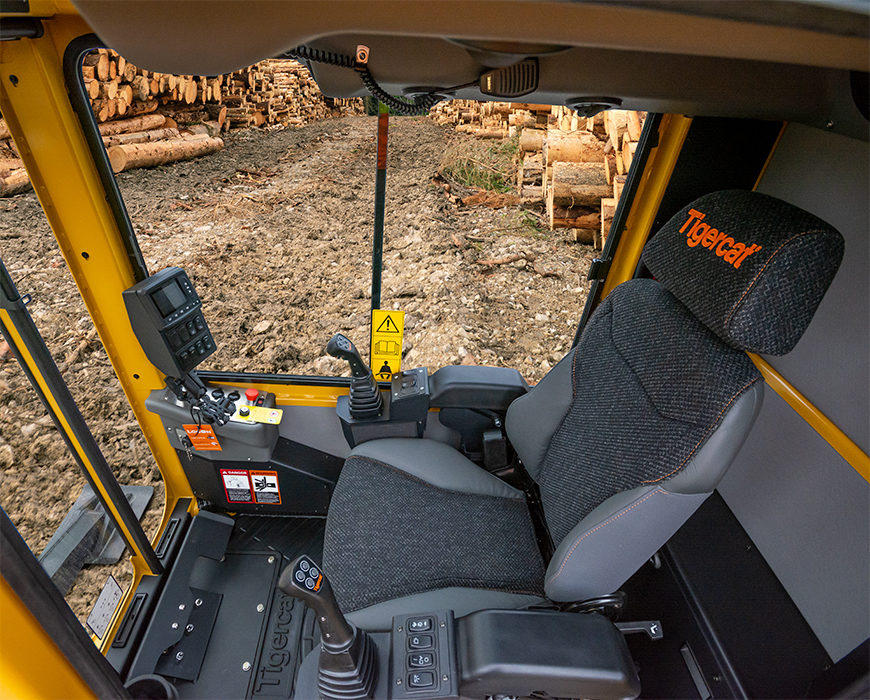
(275, 231)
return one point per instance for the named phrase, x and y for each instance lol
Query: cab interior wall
(802, 504)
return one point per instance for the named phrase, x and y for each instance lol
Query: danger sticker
(266, 487)
(202, 437)
(237, 485)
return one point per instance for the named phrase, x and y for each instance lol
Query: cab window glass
(44, 492)
(273, 221)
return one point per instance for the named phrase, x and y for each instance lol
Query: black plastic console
(482, 388)
(542, 653)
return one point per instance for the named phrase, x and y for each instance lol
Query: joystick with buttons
(365, 396)
(348, 657)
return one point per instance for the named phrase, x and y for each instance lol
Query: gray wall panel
(827, 175)
(807, 510)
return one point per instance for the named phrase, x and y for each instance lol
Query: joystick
(348, 664)
(365, 396)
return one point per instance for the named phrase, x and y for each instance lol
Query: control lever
(365, 397)
(340, 346)
(348, 663)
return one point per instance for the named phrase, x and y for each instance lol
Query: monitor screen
(169, 298)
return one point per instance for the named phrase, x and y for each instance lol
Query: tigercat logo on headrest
(727, 248)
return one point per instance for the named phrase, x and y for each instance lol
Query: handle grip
(340, 346)
(303, 579)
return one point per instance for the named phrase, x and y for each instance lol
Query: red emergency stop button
(251, 395)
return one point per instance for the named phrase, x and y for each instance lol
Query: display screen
(169, 298)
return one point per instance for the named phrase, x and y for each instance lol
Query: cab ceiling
(770, 62)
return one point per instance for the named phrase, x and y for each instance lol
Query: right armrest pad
(470, 386)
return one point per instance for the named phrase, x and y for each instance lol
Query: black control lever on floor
(348, 664)
(365, 397)
(303, 579)
(653, 628)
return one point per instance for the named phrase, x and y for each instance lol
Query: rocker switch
(420, 641)
(421, 679)
(419, 624)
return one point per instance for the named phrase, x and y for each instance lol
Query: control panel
(424, 662)
(166, 316)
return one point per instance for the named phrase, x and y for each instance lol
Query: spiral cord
(421, 104)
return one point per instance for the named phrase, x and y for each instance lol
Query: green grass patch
(489, 165)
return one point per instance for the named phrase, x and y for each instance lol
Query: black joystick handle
(364, 402)
(340, 346)
(303, 579)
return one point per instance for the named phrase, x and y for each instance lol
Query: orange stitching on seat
(706, 435)
(598, 527)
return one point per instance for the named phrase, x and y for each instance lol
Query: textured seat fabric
(753, 268)
(650, 382)
(392, 534)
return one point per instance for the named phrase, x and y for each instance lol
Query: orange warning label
(266, 487)
(202, 437)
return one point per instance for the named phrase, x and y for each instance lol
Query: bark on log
(141, 137)
(578, 147)
(145, 122)
(143, 155)
(578, 184)
(4, 130)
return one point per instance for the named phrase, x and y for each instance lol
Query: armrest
(565, 655)
(468, 386)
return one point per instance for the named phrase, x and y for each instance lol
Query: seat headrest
(752, 268)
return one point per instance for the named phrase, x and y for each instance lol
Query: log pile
(149, 118)
(574, 166)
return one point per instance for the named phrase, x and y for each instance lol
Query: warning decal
(387, 329)
(202, 437)
(388, 325)
(266, 487)
(237, 485)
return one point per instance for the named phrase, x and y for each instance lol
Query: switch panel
(423, 662)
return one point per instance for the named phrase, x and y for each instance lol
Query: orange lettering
(732, 255)
(695, 234)
(710, 237)
(692, 215)
(725, 241)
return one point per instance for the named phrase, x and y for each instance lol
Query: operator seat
(625, 437)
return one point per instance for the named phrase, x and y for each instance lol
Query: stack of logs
(575, 166)
(184, 108)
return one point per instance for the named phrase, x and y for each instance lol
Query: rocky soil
(276, 233)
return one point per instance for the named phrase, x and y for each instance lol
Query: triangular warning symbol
(387, 326)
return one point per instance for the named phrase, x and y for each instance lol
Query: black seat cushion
(390, 534)
(650, 383)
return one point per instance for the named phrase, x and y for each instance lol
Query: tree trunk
(143, 155)
(145, 122)
(578, 184)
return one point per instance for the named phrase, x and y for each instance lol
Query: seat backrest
(635, 427)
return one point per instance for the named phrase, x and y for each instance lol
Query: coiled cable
(420, 104)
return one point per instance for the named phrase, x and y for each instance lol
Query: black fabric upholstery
(761, 300)
(390, 534)
(650, 384)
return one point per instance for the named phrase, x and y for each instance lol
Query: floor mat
(287, 536)
(244, 638)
